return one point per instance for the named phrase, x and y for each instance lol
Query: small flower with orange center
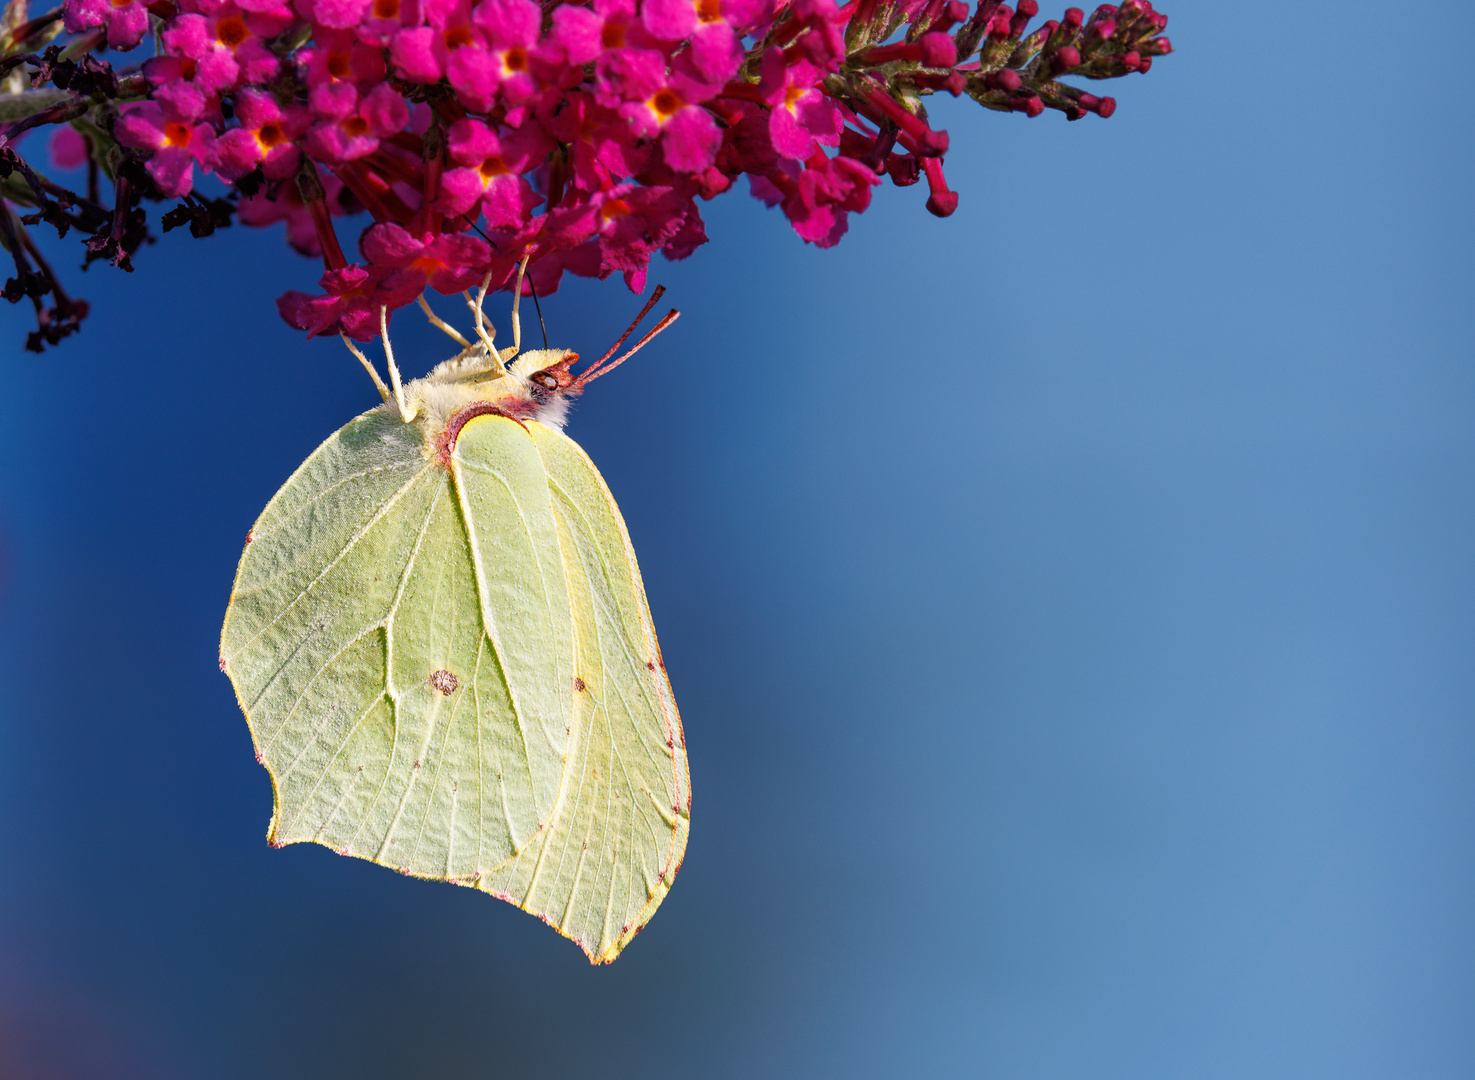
(664, 106)
(267, 136)
(351, 126)
(177, 141)
(801, 115)
(714, 28)
(512, 28)
(489, 170)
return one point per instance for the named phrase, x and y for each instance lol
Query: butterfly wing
(452, 672)
(408, 713)
(605, 860)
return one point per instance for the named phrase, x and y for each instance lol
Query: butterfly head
(544, 384)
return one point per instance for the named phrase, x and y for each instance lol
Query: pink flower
(267, 136)
(451, 46)
(338, 56)
(666, 107)
(383, 19)
(628, 222)
(489, 172)
(127, 22)
(446, 263)
(818, 200)
(603, 150)
(511, 28)
(351, 301)
(802, 115)
(177, 143)
(68, 149)
(334, 14)
(713, 26)
(823, 43)
(352, 126)
(218, 45)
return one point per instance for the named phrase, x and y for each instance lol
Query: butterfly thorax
(536, 385)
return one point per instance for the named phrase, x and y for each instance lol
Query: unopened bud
(942, 203)
(904, 169)
(1005, 79)
(938, 50)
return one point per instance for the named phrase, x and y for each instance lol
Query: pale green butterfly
(441, 642)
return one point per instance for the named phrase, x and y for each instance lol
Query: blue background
(1070, 605)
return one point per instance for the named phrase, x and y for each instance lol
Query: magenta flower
(446, 263)
(603, 149)
(338, 56)
(351, 301)
(217, 46)
(511, 29)
(580, 132)
(333, 14)
(664, 106)
(127, 22)
(451, 46)
(177, 142)
(489, 172)
(801, 114)
(267, 136)
(627, 223)
(713, 27)
(351, 126)
(823, 42)
(818, 199)
(383, 19)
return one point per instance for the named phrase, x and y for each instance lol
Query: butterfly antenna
(541, 325)
(601, 368)
(589, 371)
(362, 359)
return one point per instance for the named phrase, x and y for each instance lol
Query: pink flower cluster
(580, 135)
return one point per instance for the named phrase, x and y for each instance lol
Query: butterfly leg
(441, 325)
(399, 391)
(516, 301)
(484, 329)
(362, 359)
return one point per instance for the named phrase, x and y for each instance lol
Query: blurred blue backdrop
(1071, 605)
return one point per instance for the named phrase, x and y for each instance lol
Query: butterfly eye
(546, 380)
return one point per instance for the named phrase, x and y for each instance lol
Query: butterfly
(441, 642)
